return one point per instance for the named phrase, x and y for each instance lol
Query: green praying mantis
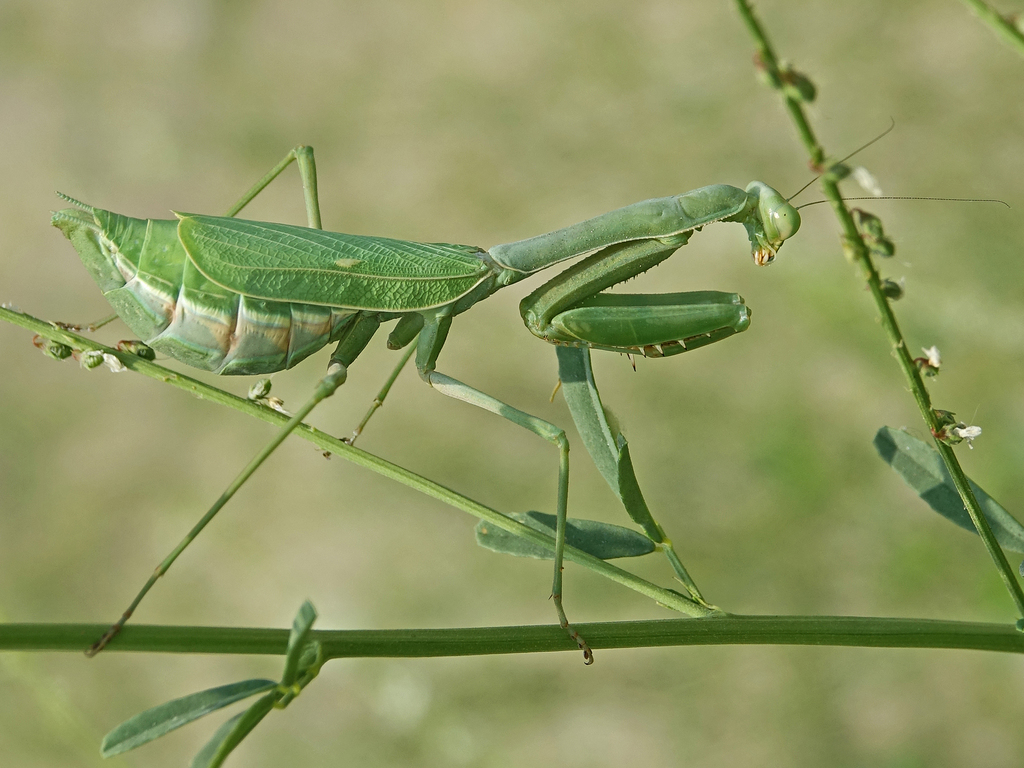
(243, 297)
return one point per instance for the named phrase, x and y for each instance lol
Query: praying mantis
(232, 296)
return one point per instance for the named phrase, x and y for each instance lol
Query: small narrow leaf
(155, 722)
(602, 540)
(301, 626)
(312, 653)
(230, 735)
(922, 468)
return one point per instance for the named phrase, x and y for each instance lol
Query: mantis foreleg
(611, 452)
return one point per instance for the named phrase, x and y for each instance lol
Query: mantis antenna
(910, 197)
(892, 124)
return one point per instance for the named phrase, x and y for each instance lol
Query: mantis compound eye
(781, 223)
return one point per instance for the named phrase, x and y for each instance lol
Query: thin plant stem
(1007, 26)
(848, 631)
(858, 252)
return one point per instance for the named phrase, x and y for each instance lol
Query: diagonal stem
(667, 597)
(858, 251)
(1002, 24)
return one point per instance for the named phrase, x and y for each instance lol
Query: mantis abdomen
(149, 280)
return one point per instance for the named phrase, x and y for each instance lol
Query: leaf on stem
(922, 468)
(230, 735)
(301, 627)
(602, 540)
(155, 722)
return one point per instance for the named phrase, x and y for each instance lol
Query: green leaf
(155, 722)
(602, 540)
(301, 627)
(922, 468)
(230, 735)
(312, 653)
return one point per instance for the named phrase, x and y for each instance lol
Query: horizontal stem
(850, 631)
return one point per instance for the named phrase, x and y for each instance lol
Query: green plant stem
(851, 631)
(322, 440)
(859, 254)
(1002, 24)
(766, 58)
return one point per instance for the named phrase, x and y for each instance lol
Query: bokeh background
(484, 122)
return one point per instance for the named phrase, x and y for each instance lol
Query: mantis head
(772, 221)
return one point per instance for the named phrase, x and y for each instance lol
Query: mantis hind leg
(349, 347)
(353, 340)
(302, 156)
(403, 335)
(325, 388)
(430, 342)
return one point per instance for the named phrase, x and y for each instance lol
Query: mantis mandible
(242, 297)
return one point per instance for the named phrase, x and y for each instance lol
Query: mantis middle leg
(431, 341)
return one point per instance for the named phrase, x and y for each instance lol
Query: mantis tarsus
(243, 297)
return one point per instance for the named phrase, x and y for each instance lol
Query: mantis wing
(282, 262)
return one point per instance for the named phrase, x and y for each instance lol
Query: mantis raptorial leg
(610, 453)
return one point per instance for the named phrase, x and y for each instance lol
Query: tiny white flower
(115, 365)
(968, 433)
(867, 182)
(932, 353)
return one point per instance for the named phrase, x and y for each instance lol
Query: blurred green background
(483, 122)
